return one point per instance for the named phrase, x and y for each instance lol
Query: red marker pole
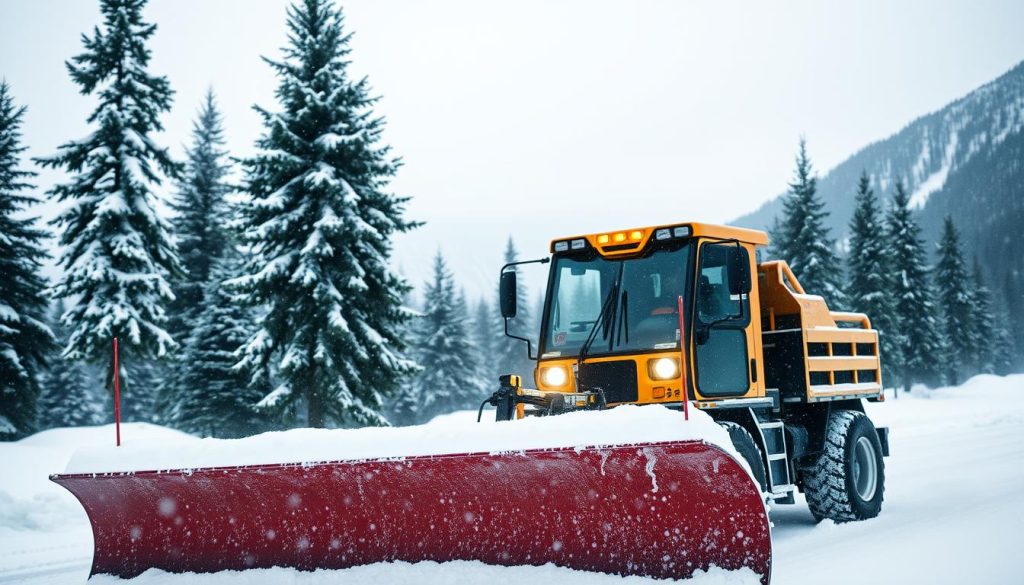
(117, 396)
(682, 360)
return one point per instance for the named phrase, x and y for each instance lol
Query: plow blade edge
(658, 509)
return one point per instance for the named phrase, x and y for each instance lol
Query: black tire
(749, 450)
(846, 482)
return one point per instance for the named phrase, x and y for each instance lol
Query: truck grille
(617, 379)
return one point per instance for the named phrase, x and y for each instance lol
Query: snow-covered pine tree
(952, 282)
(510, 354)
(802, 239)
(1013, 299)
(483, 335)
(212, 397)
(1004, 358)
(869, 286)
(118, 252)
(202, 218)
(66, 399)
(200, 215)
(25, 340)
(140, 400)
(318, 223)
(984, 323)
(442, 347)
(912, 291)
(476, 386)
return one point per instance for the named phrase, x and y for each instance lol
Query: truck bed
(813, 354)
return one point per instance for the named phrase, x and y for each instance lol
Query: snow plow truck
(679, 315)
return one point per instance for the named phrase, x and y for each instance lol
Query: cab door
(721, 321)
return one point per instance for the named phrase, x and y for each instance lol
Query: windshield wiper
(609, 302)
(623, 323)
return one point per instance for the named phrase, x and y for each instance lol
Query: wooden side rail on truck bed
(813, 354)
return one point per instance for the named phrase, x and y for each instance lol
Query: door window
(722, 321)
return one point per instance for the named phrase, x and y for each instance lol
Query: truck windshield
(642, 316)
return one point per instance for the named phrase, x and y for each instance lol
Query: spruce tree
(476, 385)
(318, 223)
(66, 399)
(1013, 297)
(913, 294)
(442, 346)
(984, 324)
(200, 220)
(510, 354)
(870, 274)
(802, 239)
(212, 397)
(25, 339)
(952, 283)
(473, 388)
(1003, 355)
(118, 253)
(483, 336)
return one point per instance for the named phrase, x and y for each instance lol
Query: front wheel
(847, 480)
(747, 448)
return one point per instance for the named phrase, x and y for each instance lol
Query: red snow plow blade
(657, 509)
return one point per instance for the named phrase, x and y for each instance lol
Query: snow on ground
(452, 434)
(954, 497)
(44, 533)
(954, 504)
(426, 573)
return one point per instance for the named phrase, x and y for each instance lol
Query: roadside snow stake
(117, 396)
(682, 361)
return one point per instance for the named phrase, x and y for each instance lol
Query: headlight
(555, 376)
(663, 368)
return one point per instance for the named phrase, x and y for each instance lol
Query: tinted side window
(722, 363)
(714, 303)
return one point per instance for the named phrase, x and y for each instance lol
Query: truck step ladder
(773, 437)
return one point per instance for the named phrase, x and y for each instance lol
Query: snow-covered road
(954, 499)
(954, 505)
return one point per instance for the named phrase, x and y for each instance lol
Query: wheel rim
(865, 469)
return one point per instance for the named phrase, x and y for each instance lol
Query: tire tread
(732, 427)
(825, 479)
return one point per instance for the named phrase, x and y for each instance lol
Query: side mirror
(507, 294)
(739, 271)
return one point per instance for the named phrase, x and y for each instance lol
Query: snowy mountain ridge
(981, 130)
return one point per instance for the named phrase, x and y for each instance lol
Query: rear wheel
(748, 449)
(847, 480)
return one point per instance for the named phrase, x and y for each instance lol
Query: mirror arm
(544, 260)
(529, 344)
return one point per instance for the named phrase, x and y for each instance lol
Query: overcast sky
(544, 119)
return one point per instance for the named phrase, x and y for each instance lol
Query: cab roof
(627, 241)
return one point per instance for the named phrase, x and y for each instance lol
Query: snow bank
(28, 499)
(936, 526)
(424, 573)
(455, 434)
(69, 438)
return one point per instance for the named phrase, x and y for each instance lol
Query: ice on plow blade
(662, 509)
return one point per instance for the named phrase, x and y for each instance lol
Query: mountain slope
(966, 159)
